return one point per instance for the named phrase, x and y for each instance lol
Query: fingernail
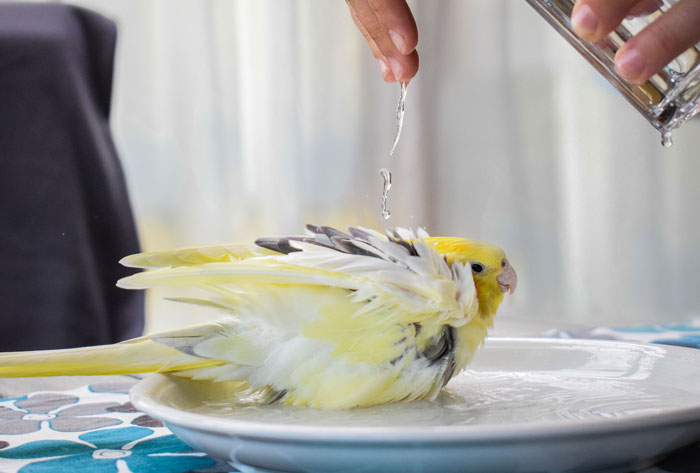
(585, 22)
(630, 64)
(399, 42)
(396, 68)
(383, 67)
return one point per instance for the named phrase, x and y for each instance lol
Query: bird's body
(325, 320)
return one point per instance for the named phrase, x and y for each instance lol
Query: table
(55, 425)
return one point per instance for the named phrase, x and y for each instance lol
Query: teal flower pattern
(116, 450)
(94, 428)
(686, 333)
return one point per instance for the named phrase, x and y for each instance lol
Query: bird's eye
(503, 264)
(477, 268)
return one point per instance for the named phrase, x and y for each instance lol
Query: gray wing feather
(358, 242)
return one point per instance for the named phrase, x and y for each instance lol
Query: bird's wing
(405, 278)
(392, 279)
(216, 253)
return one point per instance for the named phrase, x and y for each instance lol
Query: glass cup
(669, 98)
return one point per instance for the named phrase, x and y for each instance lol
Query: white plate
(540, 405)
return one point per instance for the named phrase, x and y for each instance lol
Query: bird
(326, 319)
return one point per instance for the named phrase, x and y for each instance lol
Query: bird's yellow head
(493, 274)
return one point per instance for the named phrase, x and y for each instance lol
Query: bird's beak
(508, 280)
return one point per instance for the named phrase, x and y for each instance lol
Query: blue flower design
(692, 341)
(111, 453)
(660, 328)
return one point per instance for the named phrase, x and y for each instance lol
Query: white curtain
(240, 118)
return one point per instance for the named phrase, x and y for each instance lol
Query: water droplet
(666, 139)
(386, 175)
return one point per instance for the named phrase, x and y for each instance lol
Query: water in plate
(560, 387)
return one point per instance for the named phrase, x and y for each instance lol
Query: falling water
(386, 174)
(385, 192)
(666, 139)
(400, 109)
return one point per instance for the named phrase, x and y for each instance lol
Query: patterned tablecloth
(91, 428)
(94, 428)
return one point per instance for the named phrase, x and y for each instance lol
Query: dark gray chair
(65, 219)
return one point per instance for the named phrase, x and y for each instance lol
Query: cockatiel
(329, 320)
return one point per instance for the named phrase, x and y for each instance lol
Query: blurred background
(236, 119)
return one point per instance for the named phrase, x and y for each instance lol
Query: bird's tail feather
(136, 356)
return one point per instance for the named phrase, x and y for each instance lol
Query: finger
(593, 19)
(660, 42)
(384, 66)
(645, 7)
(398, 20)
(403, 67)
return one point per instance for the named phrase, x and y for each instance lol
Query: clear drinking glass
(668, 99)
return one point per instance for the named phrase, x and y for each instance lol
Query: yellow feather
(217, 253)
(463, 250)
(354, 338)
(249, 272)
(122, 358)
(490, 256)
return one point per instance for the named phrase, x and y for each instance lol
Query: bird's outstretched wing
(397, 277)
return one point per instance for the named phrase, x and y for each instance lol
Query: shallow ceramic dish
(540, 405)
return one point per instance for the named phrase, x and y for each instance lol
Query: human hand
(651, 49)
(390, 30)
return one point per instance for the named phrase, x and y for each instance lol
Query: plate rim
(471, 433)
